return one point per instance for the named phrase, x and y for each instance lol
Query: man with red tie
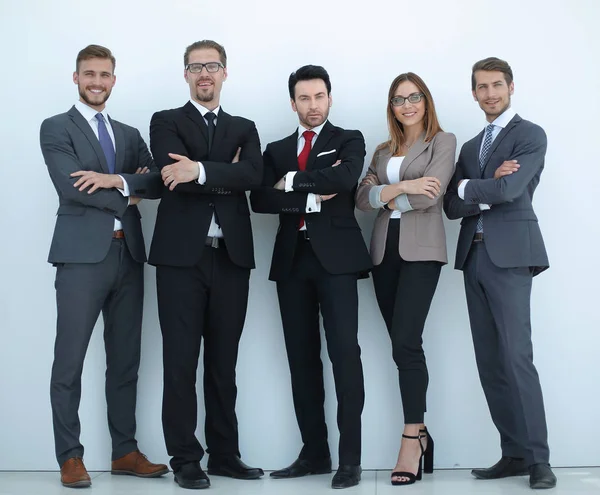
(309, 180)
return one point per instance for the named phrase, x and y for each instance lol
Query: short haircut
(307, 73)
(205, 45)
(94, 51)
(492, 64)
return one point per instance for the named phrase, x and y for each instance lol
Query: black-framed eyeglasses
(211, 67)
(398, 101)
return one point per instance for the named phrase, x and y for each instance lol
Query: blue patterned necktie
(106, 143)
(487, 144)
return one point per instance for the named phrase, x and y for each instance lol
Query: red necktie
(303, 158)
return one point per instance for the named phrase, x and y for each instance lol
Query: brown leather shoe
(137, 464)
(73, 474)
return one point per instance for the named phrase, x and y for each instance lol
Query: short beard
(500, 112)
(205, 98)
(85, 98)
(307, 124)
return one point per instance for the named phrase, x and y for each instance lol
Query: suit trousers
(499, 311)
(207, 302)
(404, 291)
(114, 287)
(308, 289)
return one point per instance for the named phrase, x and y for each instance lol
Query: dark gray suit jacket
(85, 222)
(512, 234)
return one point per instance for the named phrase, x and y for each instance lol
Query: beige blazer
(422, 234)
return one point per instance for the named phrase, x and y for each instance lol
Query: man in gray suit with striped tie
(500, 249)
(100, 169)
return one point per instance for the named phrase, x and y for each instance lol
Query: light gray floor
(572, 481)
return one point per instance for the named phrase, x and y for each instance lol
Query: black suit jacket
(185, 213)
(85, 222)
(334, 233)
(512, 234)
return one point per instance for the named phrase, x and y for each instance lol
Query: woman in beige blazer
(405, 183)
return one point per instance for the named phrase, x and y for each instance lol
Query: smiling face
(492, 92)
(409, 114)
(95, 80)
(311, 102)
(205, 87)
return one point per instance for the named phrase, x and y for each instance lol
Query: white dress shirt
(214, 230)
(311, 200)
(499, 123)
(89, 114)
(393, 173)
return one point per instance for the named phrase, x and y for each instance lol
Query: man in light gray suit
(500, 250)
(101, 169)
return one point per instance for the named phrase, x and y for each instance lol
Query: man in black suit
(309, 180)
(100, 169)
(202, 248)
(500, 249)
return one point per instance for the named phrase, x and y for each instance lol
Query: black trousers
(114, 287)
(310, 289)
(207, 301)
(499, 311)
(404, 291)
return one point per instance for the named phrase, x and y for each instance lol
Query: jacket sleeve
(62, 161)
(147, 186)
(454, 206)
(363, 191)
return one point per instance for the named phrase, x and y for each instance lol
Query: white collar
(504, 118)
(88, 112)
(316, 130)
(203, 110)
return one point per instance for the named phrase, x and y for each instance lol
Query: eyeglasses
(211, 67)
(398, 101)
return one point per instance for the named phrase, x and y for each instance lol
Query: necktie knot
(308, 136)
(210, 117)
(100, 117)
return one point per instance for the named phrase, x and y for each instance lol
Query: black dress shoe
(232, 467)
(302, 467)
(191, 476)
(541, 476)
(505, 467)
(346, 476)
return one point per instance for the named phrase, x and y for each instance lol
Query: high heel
(411, 477)
(428, 455)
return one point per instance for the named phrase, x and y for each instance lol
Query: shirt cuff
(402, 203)
(125, 190)
(375, 196)
(484, 207)
(289, 181)
(461, 189)
(311, 204)
(201, 174)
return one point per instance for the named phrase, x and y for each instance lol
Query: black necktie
(210, 118)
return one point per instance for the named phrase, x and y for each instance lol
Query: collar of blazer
(84, 127)
(418, 147)
(503, 133)
(328, 131)
(223, 121)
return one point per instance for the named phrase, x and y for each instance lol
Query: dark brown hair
(431, 125)
(204, 45)
(94, 51)
(492, 64)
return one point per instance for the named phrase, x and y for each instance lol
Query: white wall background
(553, 47)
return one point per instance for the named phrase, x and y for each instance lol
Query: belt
(478, 237)
(118, 234)
(303, 235)
(215, 242)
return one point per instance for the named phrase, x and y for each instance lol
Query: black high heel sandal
(411, 477)
(428, 457)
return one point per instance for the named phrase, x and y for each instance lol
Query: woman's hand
(370, 180)
(429, 186)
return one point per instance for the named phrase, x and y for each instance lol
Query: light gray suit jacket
(85, 222)
(422, 234)
(510, 228)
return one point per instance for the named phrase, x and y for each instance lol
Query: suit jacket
(512, 234)
(184, 214)
(85, 222)
(422, 234)
(334, 233)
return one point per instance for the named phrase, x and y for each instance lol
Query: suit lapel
(381, 166)
(85, 128)
(119, 145)
(498, 140)
(195, 116)
(415, 150)
(223, 121)
(324, 137)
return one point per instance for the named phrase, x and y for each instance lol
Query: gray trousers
(499, 310)
(83, 290)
